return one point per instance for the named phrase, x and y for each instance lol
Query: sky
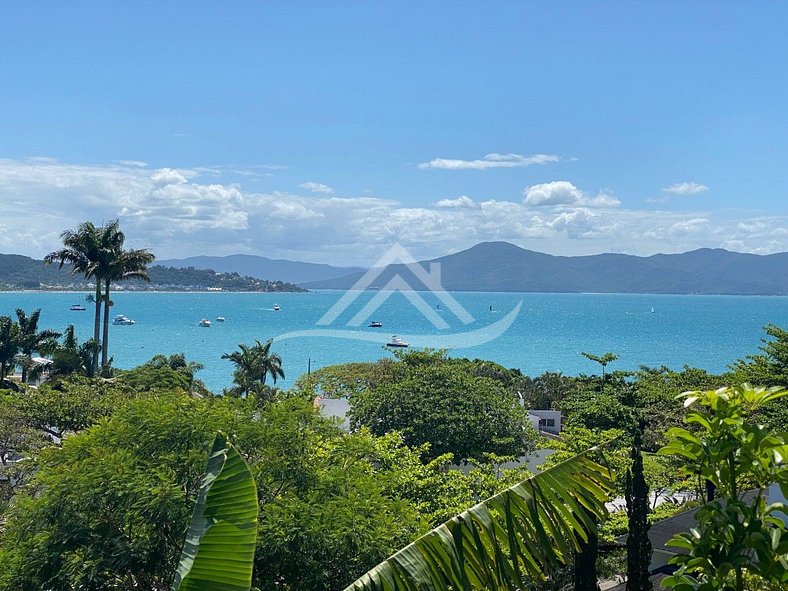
(329, 131)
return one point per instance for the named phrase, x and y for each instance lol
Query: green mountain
(21, 272)
(500, 266)
(264, 268)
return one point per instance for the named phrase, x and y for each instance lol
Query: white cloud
(565, 193)
(685, 189)
(137, 163)
(490, 161)
(461, 201)
(183, 212)
(316, 187)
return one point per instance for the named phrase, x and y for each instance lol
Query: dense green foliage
(21, 272)
(109, 508)
(453, 405)
(734, 535)
(103, 459)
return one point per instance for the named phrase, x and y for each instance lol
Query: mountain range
(489, 266)
(500, 266)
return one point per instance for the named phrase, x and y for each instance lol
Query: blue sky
(327, 131)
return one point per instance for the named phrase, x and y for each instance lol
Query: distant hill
(264, 268)
(21, 272)
(500, 266)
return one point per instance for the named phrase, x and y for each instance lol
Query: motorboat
(375, 324)
(220, 319)
(122, 320)
(396, 342)
(276, 308)
(205, 323)
(78, 308)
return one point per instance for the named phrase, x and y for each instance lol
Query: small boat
(396, 342)
(220, 319)
(276, 308)
(375, 324)
(652, 310)
(122, 320)
(78, 308)
(205, 323)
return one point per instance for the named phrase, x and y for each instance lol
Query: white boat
(205, 323)
(652, 310)
(220, 319)
(120, 319)
(375, 324)
(396, 342)
(77, 308)
(276, 308)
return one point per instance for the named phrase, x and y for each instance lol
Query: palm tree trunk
(105, 340)
(97, 327)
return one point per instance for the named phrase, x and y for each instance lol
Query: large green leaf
(513, 535)
(219, 550)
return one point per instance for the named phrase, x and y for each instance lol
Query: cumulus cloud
(490, 161)
(565, 193)
(183, 212)
(316, 187)
(461, 201)
(685, 189)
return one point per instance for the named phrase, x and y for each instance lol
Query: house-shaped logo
(431, 281)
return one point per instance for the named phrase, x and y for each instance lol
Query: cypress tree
(638, 544)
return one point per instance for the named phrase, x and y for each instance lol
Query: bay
(548, 334)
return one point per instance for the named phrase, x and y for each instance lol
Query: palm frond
(505, 539)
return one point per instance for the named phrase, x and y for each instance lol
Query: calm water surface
(549, 333)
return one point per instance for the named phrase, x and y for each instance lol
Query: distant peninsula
(20, 272)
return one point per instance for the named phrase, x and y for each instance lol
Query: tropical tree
(71, 356)
(736, 535)
(120, 265)
(603, 360)
(8, 346)
(253, 365)
(176, 362)
(499, 543)
(85, 249)
(30, 339)
(439, 402)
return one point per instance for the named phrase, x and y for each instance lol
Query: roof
(662, 531)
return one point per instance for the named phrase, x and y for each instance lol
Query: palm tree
(269, 363)
(84, 250)
(8, 346)
(245, 369)
(73, 357)
(30, 339)
(254, 364)
(121, 264)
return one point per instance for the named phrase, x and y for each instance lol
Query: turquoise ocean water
(548, 333)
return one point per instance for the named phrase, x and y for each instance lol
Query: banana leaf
(219, 550)
(510, 537)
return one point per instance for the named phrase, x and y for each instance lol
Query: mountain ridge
(501, 266)
(263, 267)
